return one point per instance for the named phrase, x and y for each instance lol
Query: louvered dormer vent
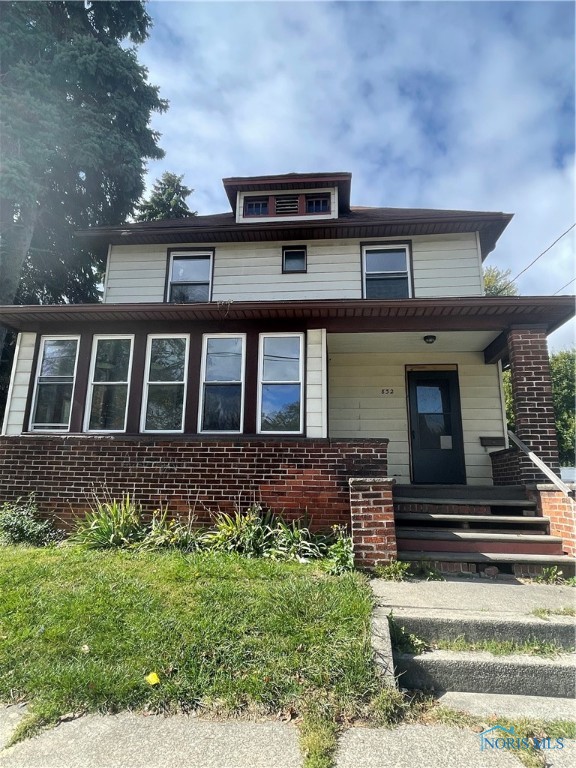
(286, 205)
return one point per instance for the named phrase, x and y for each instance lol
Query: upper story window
(294, 259)
(256, 206)
(109, 383)
(189, 277)
(55, 383)
(317, 203)
(386, 272)
(288, 204)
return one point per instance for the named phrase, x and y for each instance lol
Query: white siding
(445, 265)
(316, 406)
(357, 407)
(19, 383)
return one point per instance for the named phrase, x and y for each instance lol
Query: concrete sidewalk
(135, 741)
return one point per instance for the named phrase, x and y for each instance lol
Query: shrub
(110, 524)
(294, 541)
(19, 524)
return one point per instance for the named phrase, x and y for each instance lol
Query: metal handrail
(541, 466)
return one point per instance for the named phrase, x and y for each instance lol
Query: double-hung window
(55, 383)
(386, 272)
(280, 404)
(222, 386)
(165, 384)
(109, 383)
(189, 277)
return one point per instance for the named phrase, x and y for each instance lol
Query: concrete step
(462, 494)
(508, 705)
(453, 540)
(434, 625)
(486, 673)
(479, 502)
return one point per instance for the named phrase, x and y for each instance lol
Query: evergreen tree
(75, 107)
(167, 201)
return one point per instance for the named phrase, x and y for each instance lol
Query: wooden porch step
(456, 518)
(462, 493)
(479, 502)
(459, 541)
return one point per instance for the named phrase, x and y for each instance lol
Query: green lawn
(80, 631)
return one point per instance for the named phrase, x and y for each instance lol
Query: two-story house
(291, 350)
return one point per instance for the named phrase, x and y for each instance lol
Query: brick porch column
(372, 520)
(532, 398)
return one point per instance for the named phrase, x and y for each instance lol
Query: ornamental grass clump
(111, 524)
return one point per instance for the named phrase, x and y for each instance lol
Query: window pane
(191, 269)
(164, 407)
(256, 207)
(295, 261)
(188, 294)
(317, 205)
(167, 357)
(281, 359)
(59, 357)
(224, 360)
(53, 405)
(386, 260)
(280, 408)
(222, 407)
(433, 398)
(108, 406)
(112, 360)
(387, 287)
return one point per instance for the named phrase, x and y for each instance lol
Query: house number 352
(388, 391)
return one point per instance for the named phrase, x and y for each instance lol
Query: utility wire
(511, 282)
(564, 286)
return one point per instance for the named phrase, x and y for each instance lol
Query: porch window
(190, 276)
(54, 383)
(280, 383)
(222, 395)
(108, 388)
(294, 259)
(165, 384)
(386, 272)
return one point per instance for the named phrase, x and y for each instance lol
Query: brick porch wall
(373, 526)
(561, 510)
(293, 476)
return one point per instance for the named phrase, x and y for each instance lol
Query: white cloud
(436, 104)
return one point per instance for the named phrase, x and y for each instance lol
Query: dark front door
(436, 427)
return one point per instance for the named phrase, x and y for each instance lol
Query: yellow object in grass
(152, 678)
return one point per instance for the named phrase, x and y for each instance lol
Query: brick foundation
(294, 477)
(372, 515)
(561, 510)
(512, 467)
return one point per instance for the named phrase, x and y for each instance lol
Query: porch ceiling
(446, 341)
(479, 313)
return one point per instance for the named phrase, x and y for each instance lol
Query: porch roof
(336, 315)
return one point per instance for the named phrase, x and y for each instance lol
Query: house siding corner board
(357, 407)
(294, 477)
(444, 265)
(20, 382)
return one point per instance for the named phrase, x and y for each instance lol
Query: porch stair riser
(474, 525)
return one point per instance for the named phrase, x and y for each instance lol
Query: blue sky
(429, 104)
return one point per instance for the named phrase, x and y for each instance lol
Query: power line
(511, 282)
(564, 286)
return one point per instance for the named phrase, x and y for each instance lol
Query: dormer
(301, 196)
